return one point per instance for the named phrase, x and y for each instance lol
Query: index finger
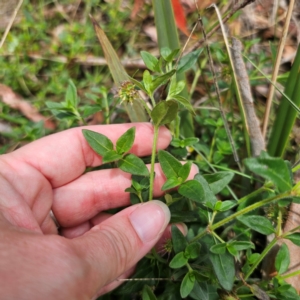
(64, 156)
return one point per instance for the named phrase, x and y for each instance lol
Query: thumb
(117, 244)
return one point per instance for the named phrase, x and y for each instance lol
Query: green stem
(212, 146)
(290, 275)
(261, 257)
(189, 267)
(146, 107)
(279, 224)
(177, 127)
(156, 129)
(106, 114)
(257, 192)
(158, 257)
(240, 213)
(249, 208)
(217, 237)
(152, 100)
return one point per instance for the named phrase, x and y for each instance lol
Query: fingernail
(150, 219)
(183, 228)
(195, 168)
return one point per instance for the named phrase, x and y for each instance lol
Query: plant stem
(152, 100)
(290, 275)
(279, 224)
(106, 114)
(249, 208)
(156, 129)
(217, 237)
(240, 213)
(146, 107)
(257, 192)
(261, 257)
(158, 257)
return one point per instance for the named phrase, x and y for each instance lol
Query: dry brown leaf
(13, 100)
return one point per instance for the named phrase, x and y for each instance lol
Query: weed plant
(230, 206)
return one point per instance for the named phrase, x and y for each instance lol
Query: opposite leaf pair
(104, 146)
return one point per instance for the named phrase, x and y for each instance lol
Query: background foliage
(54, 76)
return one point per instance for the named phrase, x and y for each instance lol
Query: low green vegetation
(231, 205)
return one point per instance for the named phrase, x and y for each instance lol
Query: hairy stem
(156, 129)
(240, 213)
(261, 257)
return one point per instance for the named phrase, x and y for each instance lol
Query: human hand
(94, 249)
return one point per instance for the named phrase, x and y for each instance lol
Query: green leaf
(218, 248)
(224, 268)
(147, 293)
(187, 284)
(111, 156)
(203, 291)
(193, 190)
(125, 141)
(271, 168)
(178, 261)
(164, 112)
(253, 258)
(190, 141)
(258, 223)
(71, 95)
(161, 80)
(282, 260)
(171, 183)
(175, 87)
(55, 105)
(178, 240)
(150, 61)
(138, 84)
(147, 80)
(192, 250)
(232, 250)
(98, 142)
(188, 61)
(218, 181)
(168, 54)
(185, 171)
(169, 164)
(131, 190)
(294, 237)
(88, 110)
(241, 245)
(184, 102)
(165, 52)
(227, 204)
(133, 165)
(209, 196)
(187, 216)
(217, 206)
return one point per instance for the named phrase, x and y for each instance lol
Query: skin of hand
(94, 249)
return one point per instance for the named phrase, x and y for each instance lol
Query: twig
(255, 134)
(277, 65)
(11, 21)
(234, 9)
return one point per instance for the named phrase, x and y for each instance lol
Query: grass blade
(168, 37)
(136, 111)
(283, 125)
